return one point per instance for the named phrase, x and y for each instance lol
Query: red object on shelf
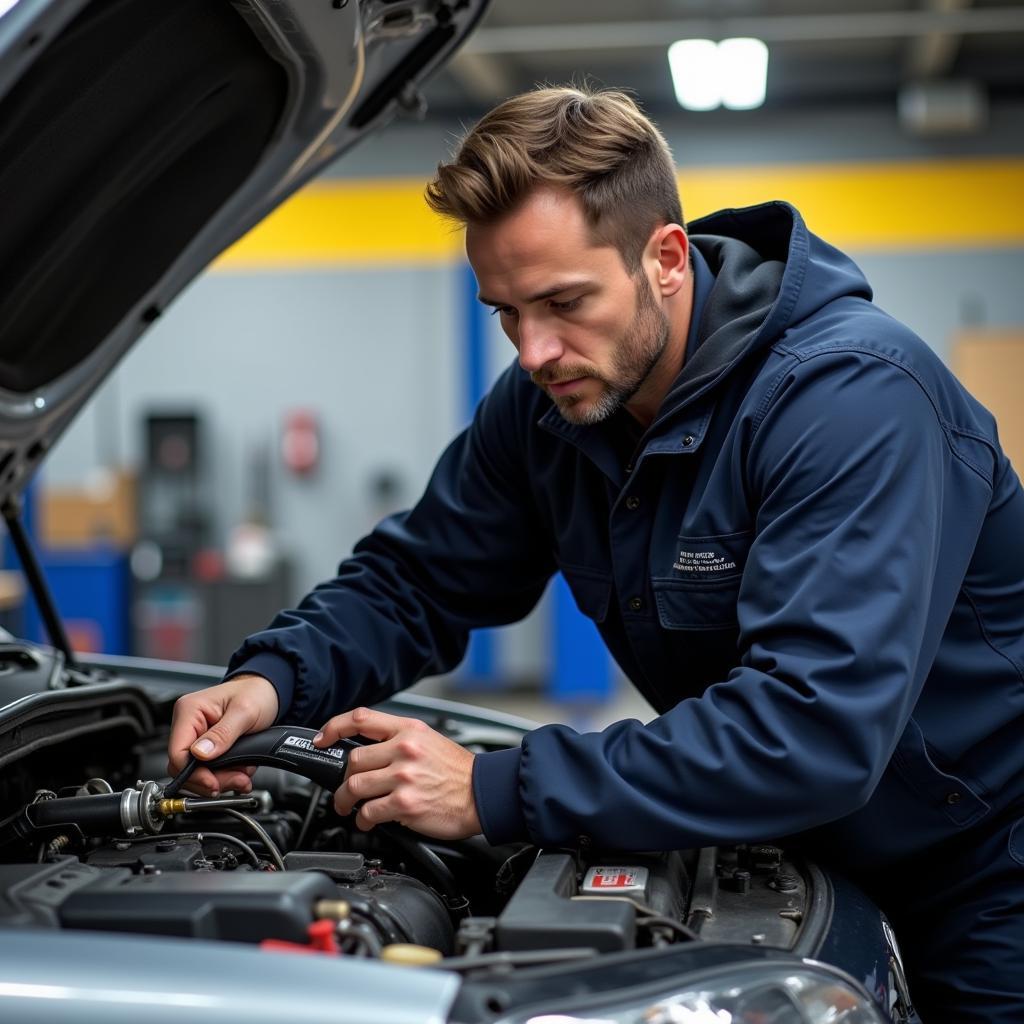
(300, 442)
(208, 565)
(321, 940)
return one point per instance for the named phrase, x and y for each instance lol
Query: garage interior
(303, 387)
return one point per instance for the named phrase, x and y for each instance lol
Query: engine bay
(89, 841)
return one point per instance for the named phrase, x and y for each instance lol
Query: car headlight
(806, 993)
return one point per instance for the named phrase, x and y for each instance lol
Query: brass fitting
(331, 910)
(165, 808)
(409, 955)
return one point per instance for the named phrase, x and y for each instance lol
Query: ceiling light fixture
(707, 75)
(695, 73)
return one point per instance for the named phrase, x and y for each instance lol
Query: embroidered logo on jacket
(706, 561)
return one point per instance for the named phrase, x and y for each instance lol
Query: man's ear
(669, 251)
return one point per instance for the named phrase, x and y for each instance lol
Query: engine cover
(234, 906)
(544, 911)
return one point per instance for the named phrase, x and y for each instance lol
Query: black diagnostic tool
(284, 746)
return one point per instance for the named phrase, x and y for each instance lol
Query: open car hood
(138, 140)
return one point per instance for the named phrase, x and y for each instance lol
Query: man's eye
(504, 310)
(568, 306)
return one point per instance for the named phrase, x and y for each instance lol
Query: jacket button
(954, 797)
(688, 440)
(636, 603)
(632, 503)
(629, 467)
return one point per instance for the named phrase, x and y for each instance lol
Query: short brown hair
(595, 143)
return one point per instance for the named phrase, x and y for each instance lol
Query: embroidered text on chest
(706, 560)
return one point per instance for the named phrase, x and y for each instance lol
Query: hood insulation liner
(127, 134)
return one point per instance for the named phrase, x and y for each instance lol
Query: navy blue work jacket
(812, 565)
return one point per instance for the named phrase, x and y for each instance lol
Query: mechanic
(797, 533)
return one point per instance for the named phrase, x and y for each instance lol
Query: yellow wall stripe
(346, 223)
(947, 204)
(911, 205)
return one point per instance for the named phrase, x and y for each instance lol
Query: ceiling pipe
(933, 54)
(783, 28)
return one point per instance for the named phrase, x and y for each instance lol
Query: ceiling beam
(484, 77)
(782, 28)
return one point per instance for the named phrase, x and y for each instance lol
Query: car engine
(89, 841)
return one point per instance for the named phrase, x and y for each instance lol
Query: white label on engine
(303, 744)
(615, 881)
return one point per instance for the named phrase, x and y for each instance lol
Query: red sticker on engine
(620, 881)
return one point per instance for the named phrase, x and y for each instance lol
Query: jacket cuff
(277, 671)
(496, 792)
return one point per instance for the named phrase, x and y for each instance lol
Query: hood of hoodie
(769, 273)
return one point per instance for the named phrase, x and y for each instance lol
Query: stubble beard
(642, 345)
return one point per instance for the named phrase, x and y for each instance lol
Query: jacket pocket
(941, 791)
(707, 604)
(591, 589)
(711, 558)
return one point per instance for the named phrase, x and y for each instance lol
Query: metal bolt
(332, 910)
(758, 938)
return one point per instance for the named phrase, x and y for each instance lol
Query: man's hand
(208, 722)
(414, 776)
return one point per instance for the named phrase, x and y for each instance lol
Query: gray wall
(371, 353)
(938, 293)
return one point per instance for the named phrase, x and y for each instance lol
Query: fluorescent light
(6, 5)
(695, 73)
(744, 73)
(707, 75)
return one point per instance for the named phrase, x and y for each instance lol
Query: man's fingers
(239, 781)
(202, 780)
(208, 722)
(371, 757)
(393, 807)
(237, 720)
(425, 781)
(188, 721)
(374, 725)
(209, 783)
(363, 786)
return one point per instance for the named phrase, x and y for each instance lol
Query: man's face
(587, 331)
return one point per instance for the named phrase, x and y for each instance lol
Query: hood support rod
(36, 580)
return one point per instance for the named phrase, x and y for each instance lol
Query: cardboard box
(104, 512)
(990, 363)
(12, 589)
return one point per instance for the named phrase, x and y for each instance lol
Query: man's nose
(538, 345)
